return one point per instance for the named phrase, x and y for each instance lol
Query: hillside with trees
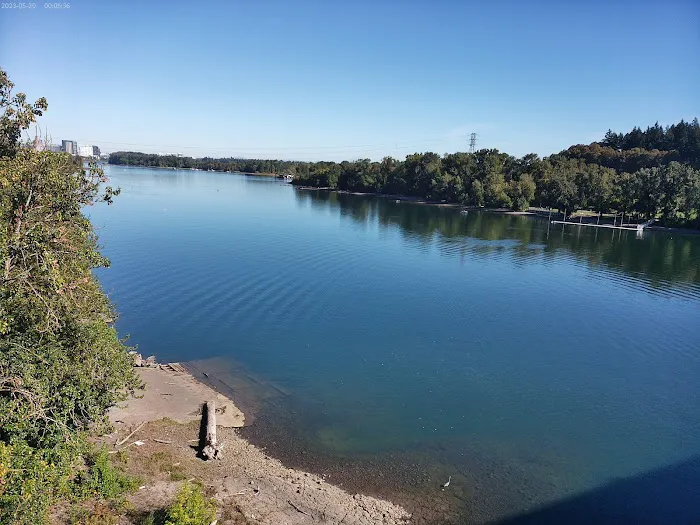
(644, 174)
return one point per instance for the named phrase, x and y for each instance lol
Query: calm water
(545, 371)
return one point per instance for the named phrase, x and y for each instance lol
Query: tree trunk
(212, 448)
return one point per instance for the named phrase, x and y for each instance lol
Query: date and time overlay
(34, 5)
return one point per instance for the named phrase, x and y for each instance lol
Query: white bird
(443, 487)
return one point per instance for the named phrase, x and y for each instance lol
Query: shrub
(191, 507)
(99, 514)
(30, 479)
(102, 479)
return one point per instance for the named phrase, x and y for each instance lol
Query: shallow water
(534, 364)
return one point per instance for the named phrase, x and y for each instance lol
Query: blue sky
(342, 79)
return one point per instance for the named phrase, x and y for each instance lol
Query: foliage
(102, 480)
(17, 115)
(150, 519)
(191, 507)
(131, 158)
(61, 362)
(683, 139)
(650, 173)
(30, 479)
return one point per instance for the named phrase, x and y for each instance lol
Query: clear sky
(346, 79)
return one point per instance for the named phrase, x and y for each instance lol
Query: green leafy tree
(559, 185)
(646, 186)
(61, 362)
(595, 186)
(521, 192)
(17, 115)
(679, 190)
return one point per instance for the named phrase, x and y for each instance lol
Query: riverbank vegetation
(646, 174)
(61, 362)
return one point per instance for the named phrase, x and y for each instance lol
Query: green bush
(30, 479)
(102, 479)
(191, 507)
(33, 479)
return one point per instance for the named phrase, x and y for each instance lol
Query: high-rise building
(95, 151)
(69, 146)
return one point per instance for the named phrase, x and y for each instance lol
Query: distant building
(95, 151)
(85, 151)
(56, 148)
(38, 144)
(69, 146)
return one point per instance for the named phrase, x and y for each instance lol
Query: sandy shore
(248, 485)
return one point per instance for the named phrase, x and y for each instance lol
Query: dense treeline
(654, 147)
(645, 174)
(61, 362)
(132, 158)
(683, 138)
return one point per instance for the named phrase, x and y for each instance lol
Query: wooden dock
(609, 226)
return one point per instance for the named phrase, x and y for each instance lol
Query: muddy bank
(486, 485)
(248, 485)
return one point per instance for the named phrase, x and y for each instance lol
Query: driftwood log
(211, 448)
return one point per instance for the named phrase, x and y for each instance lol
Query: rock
(151, 361)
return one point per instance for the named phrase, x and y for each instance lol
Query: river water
(552, 372)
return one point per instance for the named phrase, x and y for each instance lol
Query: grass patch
(99, 514)
(163, 462)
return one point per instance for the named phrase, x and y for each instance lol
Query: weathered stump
(211, 448)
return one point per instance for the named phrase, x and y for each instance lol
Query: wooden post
(622, 219)
(598, 221)
(212, 448)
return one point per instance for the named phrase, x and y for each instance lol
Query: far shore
(157, 435)
(534, 212)
(260, 174)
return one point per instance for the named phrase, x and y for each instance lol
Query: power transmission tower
(472, 143)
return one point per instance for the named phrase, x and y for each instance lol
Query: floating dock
(609, 226)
